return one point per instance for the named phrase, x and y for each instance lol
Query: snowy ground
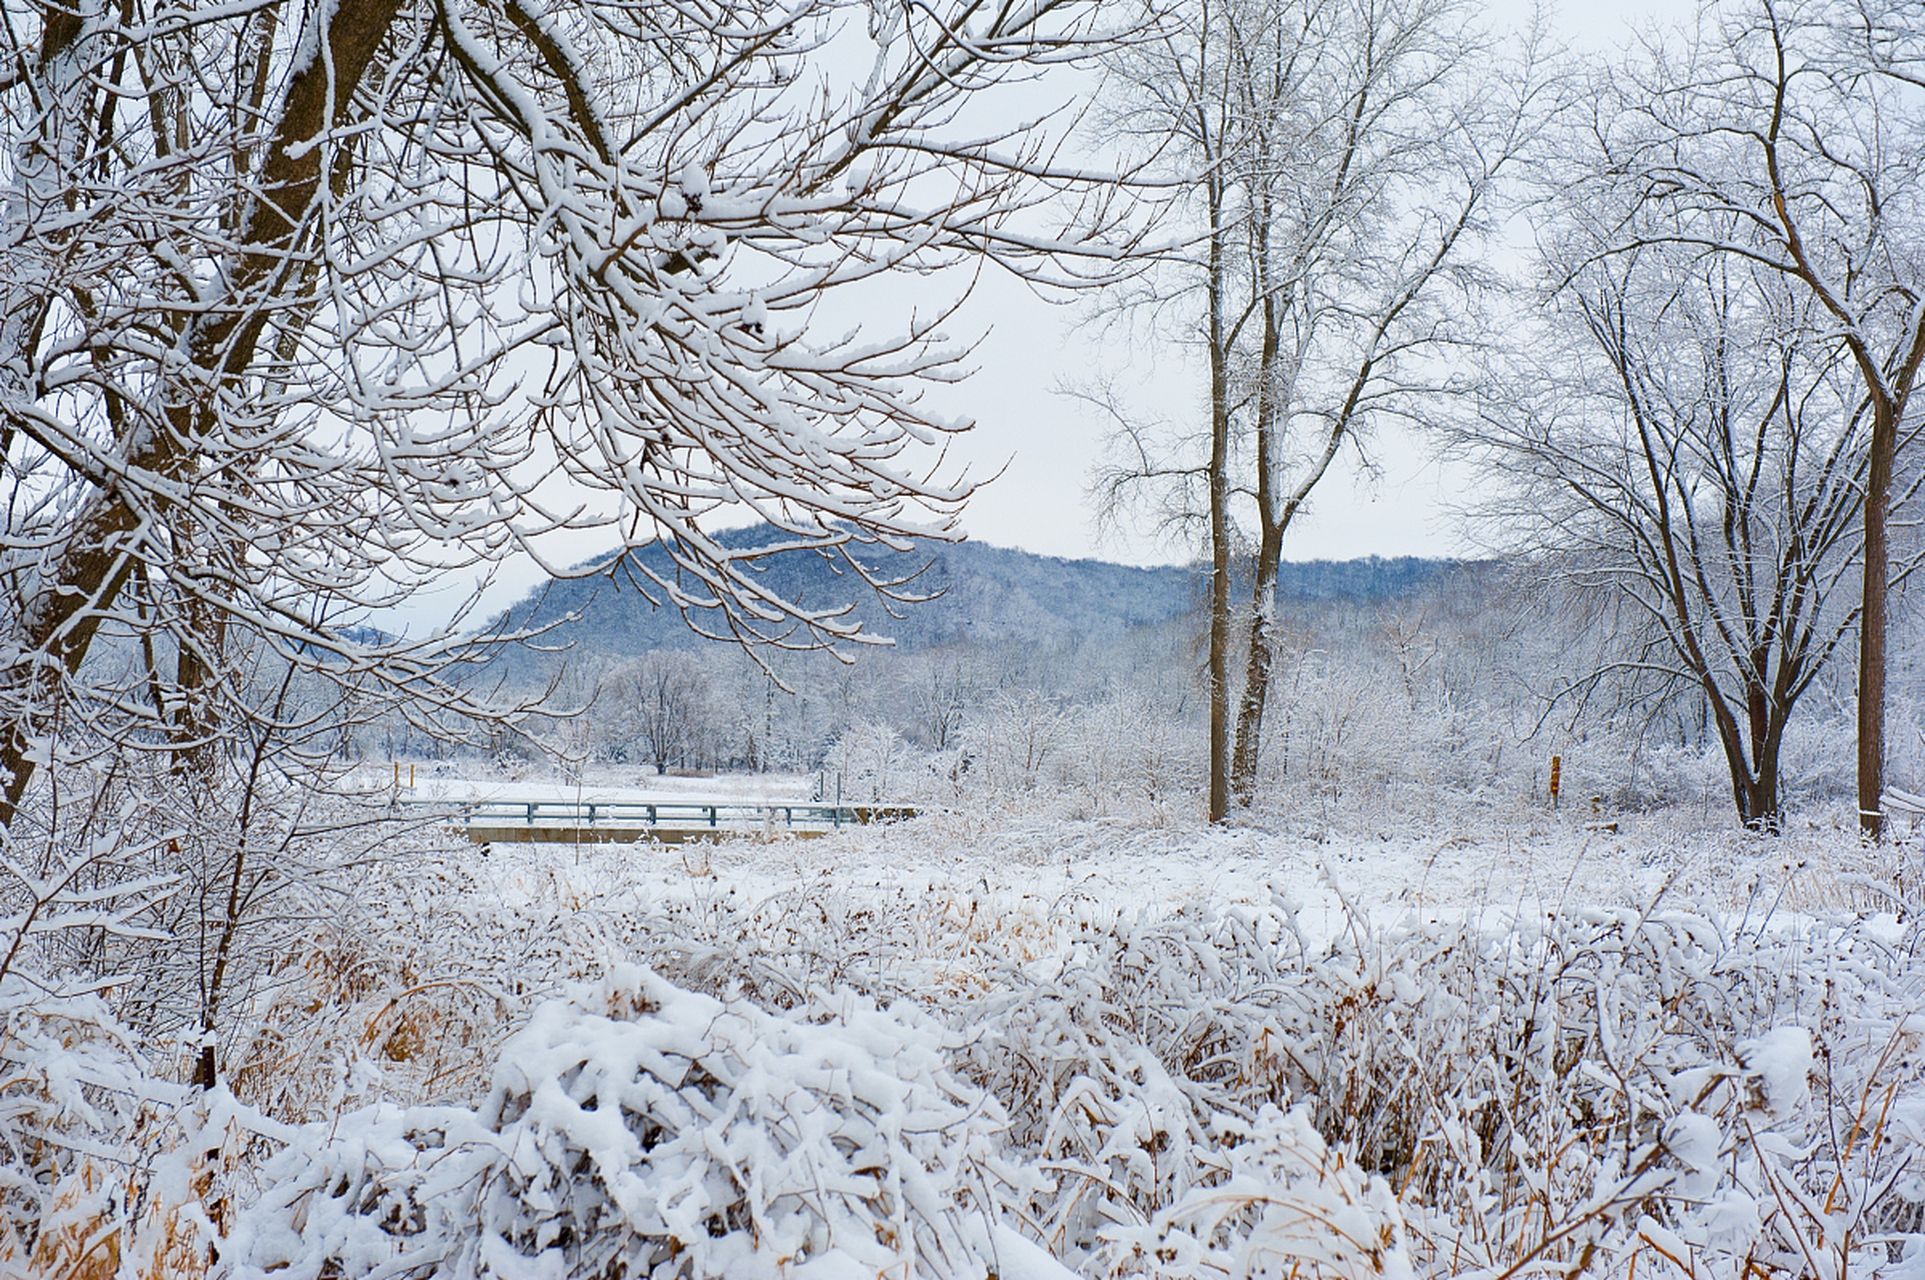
(1485, 1040)
(1161, 1049)
(1493, 865)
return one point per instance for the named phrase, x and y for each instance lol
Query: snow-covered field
(1497, 1042)
(1493, 864)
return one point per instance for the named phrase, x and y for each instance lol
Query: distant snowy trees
(655, 709)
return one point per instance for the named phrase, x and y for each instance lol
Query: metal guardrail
(676, 813)
(1909, 803)
(681, 818)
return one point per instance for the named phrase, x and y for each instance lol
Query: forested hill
(977, 592)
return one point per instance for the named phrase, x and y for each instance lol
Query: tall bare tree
(1685, 439)
(1340, 159)
(1785, 134)
(659, 703)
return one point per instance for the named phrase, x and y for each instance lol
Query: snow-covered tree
(1785, 135)
(1338, 159)
(1686, 439)
(302, 304)
(658, 707)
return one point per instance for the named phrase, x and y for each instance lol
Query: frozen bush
(82, 1121)
(1016, 743)
(1116, 1068)
(638, 1129)
(1288, 1205)
(871, 762)
(1542, 1095)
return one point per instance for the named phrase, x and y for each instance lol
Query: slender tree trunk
(1888, 386)
(1220, 618)
(1871, 628)
(1219, 555)
(199, 667)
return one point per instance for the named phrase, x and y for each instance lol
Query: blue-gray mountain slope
(975, 592)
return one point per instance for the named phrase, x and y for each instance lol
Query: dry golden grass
(337, 1004)
(86, 1232)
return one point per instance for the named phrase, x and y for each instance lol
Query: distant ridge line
(982, 593)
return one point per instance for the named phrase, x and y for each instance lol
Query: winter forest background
(1239, 928)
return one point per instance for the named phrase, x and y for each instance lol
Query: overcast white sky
(1049, 446)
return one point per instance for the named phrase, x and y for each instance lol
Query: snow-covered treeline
(1459, 690)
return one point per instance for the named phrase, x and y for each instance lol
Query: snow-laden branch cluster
(308, 306)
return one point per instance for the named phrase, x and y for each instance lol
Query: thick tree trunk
(1751, 751)
(1754, 776)
(83, 578)
(1759, 802)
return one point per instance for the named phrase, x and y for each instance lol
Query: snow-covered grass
(1491, 1041)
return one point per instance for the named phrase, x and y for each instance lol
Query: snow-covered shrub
(871, 762)
(1548, 1091)
(1126, 752)
(394, 989)
(1117, 1068)
(1288, 1206)
(82, 1119)
(1092, 1103)
(82, 1112)
(639, 1129)
(1016, 742)
(1527, 1088)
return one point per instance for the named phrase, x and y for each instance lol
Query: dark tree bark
(86, 576)
(1220, 529)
